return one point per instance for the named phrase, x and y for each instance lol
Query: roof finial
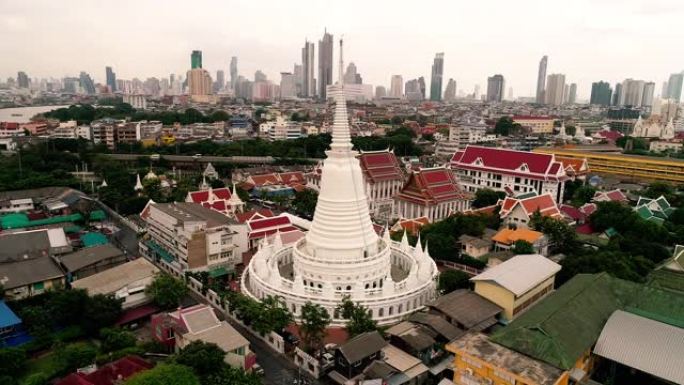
(341, 63)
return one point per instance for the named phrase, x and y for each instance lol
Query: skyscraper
(22, 80)
(541, 79)
(618, 94)
(233, 72)
(647, 97)
(196, 59)
(436, 80)
(412, 90)
(351, 75)
(397, 86)
(380, 92)
(632, 93)
(450, 91)
(325, 63)
(421, 85)
(555, 88)
(288, 88)
(298, 72)
(601, 93)
(260, 76)
(572, 97)
(87, 83)
(220, 81)
(111, 79)
(308, 64)
(199, 82)
(495, 88)
(674, 86)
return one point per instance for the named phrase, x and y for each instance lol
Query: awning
(137, 313)
(165, 255)
(218, 272)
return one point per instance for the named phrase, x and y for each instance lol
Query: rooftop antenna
(341, 63)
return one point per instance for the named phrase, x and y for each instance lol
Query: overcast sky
(587, 40)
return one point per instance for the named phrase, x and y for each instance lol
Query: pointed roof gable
(526, 163)
(432, 186)
(380, 166)
(543, 203)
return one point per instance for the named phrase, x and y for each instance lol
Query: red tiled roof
(137, 313)
(264, 223)
(261, 234)
(487, 210)
(109, 374)
(542, 203)
(585, 229)
(222, 193)
(572, 212)
(588, 208)
(199, 196)
(432, 186)
(248, 215)
(413, 225)
(264, 179)
(574, 166)
(610, 135)
(217, 205)
(503, 159)
(292, 177)
(613, 195)
(380, 166)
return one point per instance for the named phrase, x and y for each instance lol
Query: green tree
(450, 280)
(305, 202)
(358, 317)
(315, 320)
(204, 358)
(166, 291)
(505, 126)
(12, 361)
(522, 247)
(74, 356)
(616, 263)
(37, 378)
(231, 376)
(583, 195)
(167, 374)
(273, 316)
(562, 238)
(116, 339)
(487, 197)
(101, 311)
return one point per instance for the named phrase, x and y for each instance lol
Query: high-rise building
(220, 81)
(87, 83)
(196, 59)
(308, 86)
(421, 85)
(541, 79)
(572, 93)
(325, 63)
(495, 88)
(618, 94)
(412, 90)
(555, 88)
(111, 79)
(199, 82)
(674, 86)
(397, 86)
(233, 72)
(476, 92)
(23, 80)
(664, 92)
(380, 92)
(647, 96)
(351, 76)
(436, 80)
(260, 76)
(510, 93)
(450, 91)
(298, 72)
(632, 93)
(601, 93)
(288, 87)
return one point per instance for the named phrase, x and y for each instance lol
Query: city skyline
(373, 43)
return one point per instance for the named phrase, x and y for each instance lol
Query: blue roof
(7, 316)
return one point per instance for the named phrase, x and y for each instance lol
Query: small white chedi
(342, 255)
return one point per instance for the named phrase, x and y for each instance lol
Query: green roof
(560, 328)
(98, 215)
(18, 220)
(72, 229)
(14, 221)
(218, 272)
(611, 232)
(93, 239)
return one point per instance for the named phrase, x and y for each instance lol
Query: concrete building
(601, 93)
(436, 80)
(384, 178)
(536, 124)
(285, 129)
(541, 80)
(111, 79)
(495, 88)
(450, 91)
(397, 87)
(341, 253)
(325, 64)
(572, 93)
(233, 72)
(433, 193)
(555, 87)
(308, 82)
(288, 86)
(647, 97)
(199, 82)
(674, 87)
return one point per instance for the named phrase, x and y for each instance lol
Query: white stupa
(341, 255)
(138, 186)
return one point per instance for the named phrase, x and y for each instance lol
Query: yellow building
(628, 166)
(517, 283)
(537, 124)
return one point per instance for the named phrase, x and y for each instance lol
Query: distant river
(23, 114)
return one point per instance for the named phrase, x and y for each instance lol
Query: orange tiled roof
(510, 236)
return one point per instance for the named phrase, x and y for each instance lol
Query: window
(39, 286)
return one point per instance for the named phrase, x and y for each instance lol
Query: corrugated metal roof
(650, 346)
(520, 273)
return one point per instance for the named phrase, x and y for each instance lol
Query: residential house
(384, 178)
(466, 310)
(190, 236)
(408, 369)
(91, 260)
(517, 212)
(416, 340)
(518, 283)
(16, 205)
(510, 171)
(355, 355)
(476, 247)
(126, 281)
(506, 238)
(434, 193)
(180, 328)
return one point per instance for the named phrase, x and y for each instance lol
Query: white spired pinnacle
(341, 225)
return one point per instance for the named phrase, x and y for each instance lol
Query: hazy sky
(587, 40)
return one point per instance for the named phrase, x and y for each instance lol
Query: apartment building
(536, 124)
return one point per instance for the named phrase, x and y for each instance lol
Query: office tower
(260, 76)
(288, 86)
(233, 72)
(380, 92)
(601, 93)
(632, 93)
(436, 81)
(674, 86)
(555, 87)
(396, 86)
(199, 82)
(165, 87)
(70, 85)
(298, 72)
(476, 92)
(308, 64)
(325, 63)
(450, 91)
(87, 83)
(618, 94)
(412, 90)
(220, 81)
(664, 91)
(196, 59)
(541, 79)
(421, 85)
(22, 80)
(351, 76)
(647, 96)
(495, 88)
(111, 79)
(572, 97)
